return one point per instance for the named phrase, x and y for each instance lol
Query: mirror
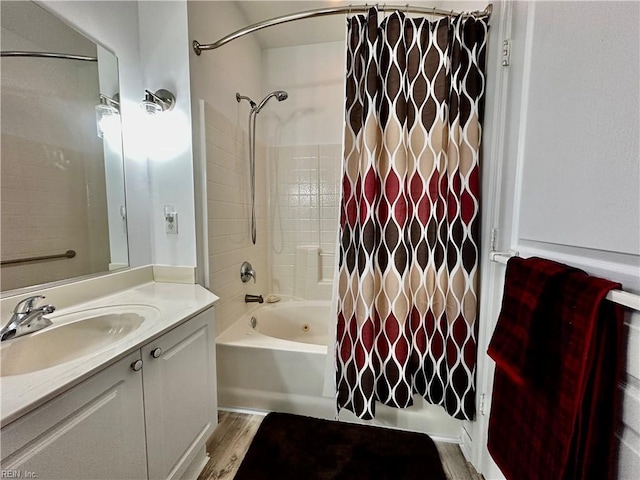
(62, 175)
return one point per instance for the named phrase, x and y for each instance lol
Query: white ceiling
(315, 30)
(323, 29)
(302, 32)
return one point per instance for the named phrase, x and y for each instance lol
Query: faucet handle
(47, 309)
(26, 305)
(247, 272)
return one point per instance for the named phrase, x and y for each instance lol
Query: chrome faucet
(253, 299)
(247, 272)
(27, 318)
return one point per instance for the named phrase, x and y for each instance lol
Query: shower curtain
(408, 254)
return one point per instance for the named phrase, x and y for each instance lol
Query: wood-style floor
(231, 440)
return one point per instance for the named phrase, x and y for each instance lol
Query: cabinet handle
(137, 365)
(156, 352)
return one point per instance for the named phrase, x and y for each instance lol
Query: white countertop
(176, 303)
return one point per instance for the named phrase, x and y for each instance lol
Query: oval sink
(72, 336)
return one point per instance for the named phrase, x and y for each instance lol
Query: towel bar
(629, 300)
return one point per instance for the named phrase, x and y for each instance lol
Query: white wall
(114, 165)
(115, 26)
(217, 75)
(313, 75)
(151, 42)
(221, 157)
(579, 152)
(164, 52)
(574, 144)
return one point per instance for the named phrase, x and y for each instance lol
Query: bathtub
(283, 326)
(278, 364)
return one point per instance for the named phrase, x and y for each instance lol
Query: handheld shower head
(255, 109)
(279, 94)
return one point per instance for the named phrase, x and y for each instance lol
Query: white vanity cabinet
(95, 430)
(179, 377)
(146, 416)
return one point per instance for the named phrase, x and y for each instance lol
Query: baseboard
(245, 411)
(466, 445)
(422, 417)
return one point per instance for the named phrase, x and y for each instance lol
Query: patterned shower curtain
(408, 258)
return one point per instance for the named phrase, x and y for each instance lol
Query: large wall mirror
(63, 211)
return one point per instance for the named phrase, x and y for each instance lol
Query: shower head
(279, 94)
(242, 97)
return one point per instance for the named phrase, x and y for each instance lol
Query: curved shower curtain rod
(322, 12)
(67, 56)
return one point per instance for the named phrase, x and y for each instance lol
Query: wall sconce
(161, 101)
(107, 114)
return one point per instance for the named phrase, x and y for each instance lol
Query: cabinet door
(179, 393)
(95, 430)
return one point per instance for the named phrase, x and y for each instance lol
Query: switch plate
(170, 220)
(171, 223)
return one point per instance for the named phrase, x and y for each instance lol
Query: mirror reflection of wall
(114, 167)
(62, 186)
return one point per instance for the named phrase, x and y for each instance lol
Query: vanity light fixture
(107, 114)
(161, 101)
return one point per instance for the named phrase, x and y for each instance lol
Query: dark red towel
(547, 427)
(525, 282)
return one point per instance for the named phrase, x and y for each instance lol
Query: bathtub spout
(253, 299)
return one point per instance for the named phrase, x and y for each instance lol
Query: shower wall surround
(305, 162)
(229, 215)
(304, 195)
(298, 165)
(300, 191)
(214, 81)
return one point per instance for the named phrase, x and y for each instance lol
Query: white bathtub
(279, 364)
(301, 322)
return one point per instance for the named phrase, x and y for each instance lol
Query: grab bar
(629, 300)
(65, 56)
(67, 254)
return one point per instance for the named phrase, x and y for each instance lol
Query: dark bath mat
(303, 448)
